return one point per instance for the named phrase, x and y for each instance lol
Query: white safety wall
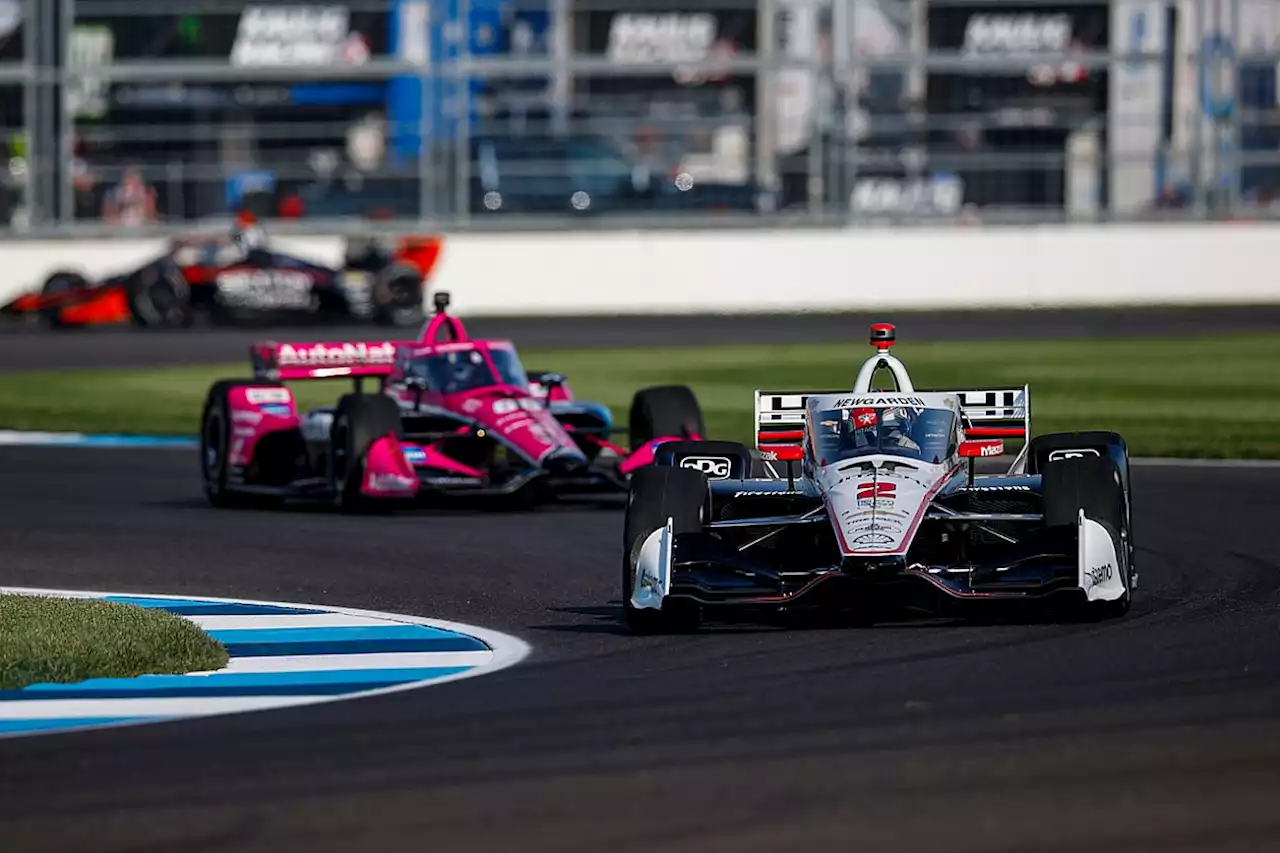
(790, 270)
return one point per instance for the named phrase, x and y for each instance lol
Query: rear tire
(215, 444)
(59, 282)
(159, 297)
(666, 410)
(656, 495)
(397, 297)
(359, 421)
(1092, 484)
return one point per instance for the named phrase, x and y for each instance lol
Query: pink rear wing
(323, 359)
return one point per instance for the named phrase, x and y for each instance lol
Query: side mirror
(440, 301)
(551, 381)
(981, 448)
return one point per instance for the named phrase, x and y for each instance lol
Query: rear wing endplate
(988, 413)
(323, 359)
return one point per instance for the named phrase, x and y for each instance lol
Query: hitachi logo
(321, 354)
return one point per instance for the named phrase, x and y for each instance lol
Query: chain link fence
(146, 115)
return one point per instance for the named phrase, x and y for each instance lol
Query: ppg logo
(1058, 455)
(715, 467)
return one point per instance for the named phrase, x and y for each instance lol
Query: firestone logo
(321, 354)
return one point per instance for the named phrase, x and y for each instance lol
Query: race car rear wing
(323, 360)
(988, 412)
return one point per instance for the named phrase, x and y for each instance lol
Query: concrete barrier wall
(788, 270)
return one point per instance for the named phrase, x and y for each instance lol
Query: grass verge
(1212, 397)
(63, 640)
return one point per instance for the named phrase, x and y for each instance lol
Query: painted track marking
(281, 655)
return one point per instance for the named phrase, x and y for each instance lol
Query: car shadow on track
(608, 620)
(464, 508)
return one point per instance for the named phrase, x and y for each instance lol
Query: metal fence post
(30, 112)
(766, 95)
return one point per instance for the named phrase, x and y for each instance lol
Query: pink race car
(454, 415)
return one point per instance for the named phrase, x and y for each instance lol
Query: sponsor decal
(391, 482)
(249, 288)
(768, 494)
(507, 406)
(1099, 574)
(277, 410)
(879, 400)
(244, 431)
(307, 355)
(1057, 455)
(415, 455)
(997, 489)
(1022, 33)
(715, 467)
(258, 396)
(938, 195)
(660, 38)
(271, 35)
(873, 539)
(244, 416)
(472, 405)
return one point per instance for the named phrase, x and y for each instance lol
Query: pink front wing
(387, 474)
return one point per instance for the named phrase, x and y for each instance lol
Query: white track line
(300, 620)
(330, 663)
(168, 706)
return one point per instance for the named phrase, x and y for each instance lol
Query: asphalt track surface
(1157, 732)
(25, 347)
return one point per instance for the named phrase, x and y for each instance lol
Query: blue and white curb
(281, 655)
(24, 438)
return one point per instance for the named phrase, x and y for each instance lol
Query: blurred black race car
(237, 278)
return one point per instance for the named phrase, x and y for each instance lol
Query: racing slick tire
(1071, 445)
(159, 297)
(60, 282)
(665, 410)
(1092, 484)
(215, 442)
(658, 494)
(397, 297)
(358, 421)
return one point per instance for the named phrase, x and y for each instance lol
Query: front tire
(359, 421)
(1092, 484)
(658, 494)
(215, 444)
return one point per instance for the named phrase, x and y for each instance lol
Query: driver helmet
(246, 238)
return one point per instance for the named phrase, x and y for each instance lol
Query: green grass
(1212, 397)
(63, 640)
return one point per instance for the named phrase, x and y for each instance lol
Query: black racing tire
(159, 297)
(215, 442)
(1092, 484)
(61, 281)
(1109, 444)
(665, 410)
(657, 494)
(398, 296)
(358, 421)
